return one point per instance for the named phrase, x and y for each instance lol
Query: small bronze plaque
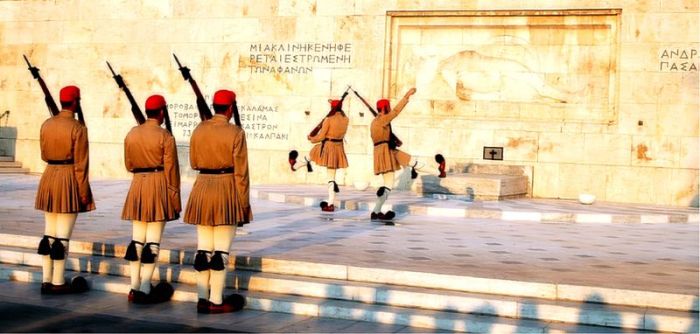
(493, 153)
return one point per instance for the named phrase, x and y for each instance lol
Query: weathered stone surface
(477, 186)
(556, 84)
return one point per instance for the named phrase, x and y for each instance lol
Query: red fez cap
(224, 97)
(69, 94)
(336, 104)
(155, 102)
(381, 104)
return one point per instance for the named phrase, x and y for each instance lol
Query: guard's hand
(185, 73)
(411, 91)
(84, 200)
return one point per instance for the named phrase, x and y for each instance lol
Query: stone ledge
(474, 186)
(552, 291)
(544, 216)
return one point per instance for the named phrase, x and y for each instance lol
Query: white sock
(331, 192)
(47, 269)
(380, 201)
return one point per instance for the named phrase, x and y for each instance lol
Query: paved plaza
(652, 257)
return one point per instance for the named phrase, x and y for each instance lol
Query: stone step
(337, 309)
(475, 186)
(382, 294)
(13, 170)
(455, 283)
(4, 158)
(10, 164)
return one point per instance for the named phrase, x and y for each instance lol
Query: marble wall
(597, 97)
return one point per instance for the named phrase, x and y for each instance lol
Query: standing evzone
(219, 201)
(329, 150)
(153, 199)
(64, 190)
(387, 158)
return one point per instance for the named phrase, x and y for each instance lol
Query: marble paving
(651, 257)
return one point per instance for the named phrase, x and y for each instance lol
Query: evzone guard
(329, 150)
(219, 201)
(388, 158)
(153, 198)
(64, 188)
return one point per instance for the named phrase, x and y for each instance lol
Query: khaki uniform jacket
(385, 159)
(153, 196)
(328, 153)
(220, 199)
(62, 137)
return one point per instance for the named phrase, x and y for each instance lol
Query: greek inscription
(298, 58)
(260, 121)
(678, 60)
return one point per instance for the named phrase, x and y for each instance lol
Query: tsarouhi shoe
(325, 207)
(293, 154)
(202, 305)
(130, 297)
(389, 215)
(232, 303)
(441, 165)
(159, 294)
(376, 216)
(77, 285)
(46, 288)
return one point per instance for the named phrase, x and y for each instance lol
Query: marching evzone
(219, 201)
(64, 190)
(387, 158)
(153, 199)
(329, 150)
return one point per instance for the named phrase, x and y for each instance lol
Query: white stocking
(138, 234)
(153, 235)
(205, 242)
(49, 230)
(64, 229)
(330, 172)
(388, 183)
(223, 236)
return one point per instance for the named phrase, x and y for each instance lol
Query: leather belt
(147, 170)
(60, 162)
(333, 140)
(381, 142)
(227, 170)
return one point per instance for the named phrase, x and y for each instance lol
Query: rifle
(394, 141)
(330, 113)
(166, 120)
(204, 111)
(50, 103)
(138, 115)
